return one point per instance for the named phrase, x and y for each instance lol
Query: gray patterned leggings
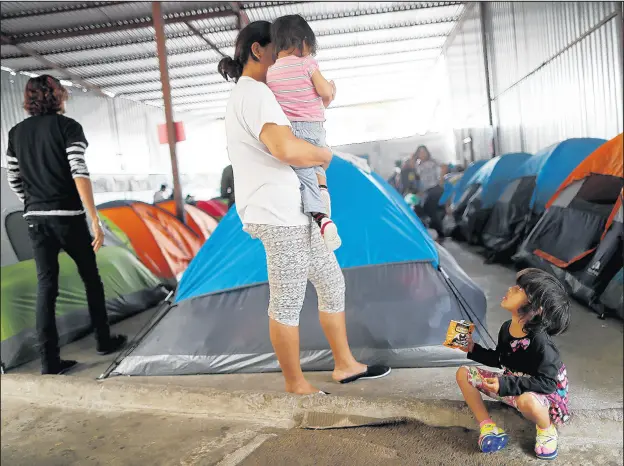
(294, 256)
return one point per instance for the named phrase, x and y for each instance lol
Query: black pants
(48, 235)
(433, 210)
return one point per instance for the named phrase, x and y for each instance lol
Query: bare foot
(341, 373)
(303, 388)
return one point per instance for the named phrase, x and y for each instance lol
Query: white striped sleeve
(76, 157)
(14, 176)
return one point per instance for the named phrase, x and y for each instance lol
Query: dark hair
(548, 309)
(292, 32)
(426, 152)
(258, 31)
(163, 187)
(44, 95)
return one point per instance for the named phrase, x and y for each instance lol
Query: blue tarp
(495, 175)
(375, 223)
(553, 165)
(464, 182)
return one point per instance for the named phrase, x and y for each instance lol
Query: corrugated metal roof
(111, 44)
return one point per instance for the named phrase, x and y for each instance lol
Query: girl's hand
(492, 385)
(469, 345)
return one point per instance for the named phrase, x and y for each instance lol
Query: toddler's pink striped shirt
(290, 79)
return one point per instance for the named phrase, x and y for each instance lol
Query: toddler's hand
(492, 385)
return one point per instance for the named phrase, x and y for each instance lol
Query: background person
(409, 176)
(160, 195)
(431, 182)
(262, 148)
(395, 178)
(46, 169)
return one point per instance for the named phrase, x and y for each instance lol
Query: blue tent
(484, 189)
(517, 209)
(464, 182)
(402, 291)
(553, 165)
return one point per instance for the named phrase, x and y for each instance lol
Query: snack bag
(457, 334)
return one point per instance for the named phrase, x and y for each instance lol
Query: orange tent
(606, 160)
(199, 221)
(579, 237)
(581, 212)
(164, 244)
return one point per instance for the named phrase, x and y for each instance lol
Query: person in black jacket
(46, 169)
(534, 380)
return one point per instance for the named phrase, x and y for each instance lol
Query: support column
(486, 64)
(161, 46)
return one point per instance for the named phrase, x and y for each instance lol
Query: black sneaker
(112, 345)
(59, 368)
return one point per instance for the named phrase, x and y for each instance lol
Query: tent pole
(159, 28)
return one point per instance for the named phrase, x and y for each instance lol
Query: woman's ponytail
(256, 32)
(230, 69)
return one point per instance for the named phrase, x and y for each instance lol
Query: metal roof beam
(71, 7)
(139, 23)
(203, 74)
(242, 18)
(135, 23)
(74, 77)
(183, 51)
(208, 42)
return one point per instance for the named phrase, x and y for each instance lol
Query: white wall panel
(556, 71)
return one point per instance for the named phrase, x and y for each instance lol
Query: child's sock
(546, 442)
(492, 438)
(486, 423)
(326, 198)
(329, 231)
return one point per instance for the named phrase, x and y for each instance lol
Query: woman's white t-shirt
(267, 190)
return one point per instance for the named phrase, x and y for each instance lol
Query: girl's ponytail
(230, 69)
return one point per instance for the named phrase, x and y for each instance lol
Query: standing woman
(262, 148)
(431, 177)
(46, 169)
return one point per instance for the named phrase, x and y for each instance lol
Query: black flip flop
(372, 372)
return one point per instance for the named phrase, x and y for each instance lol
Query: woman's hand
(492, 385)
(285, 147)
(98, 234)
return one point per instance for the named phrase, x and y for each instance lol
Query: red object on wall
(179, 133)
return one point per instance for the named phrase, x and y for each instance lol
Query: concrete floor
(33, 435)
(592, 351)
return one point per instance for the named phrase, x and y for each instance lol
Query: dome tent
(401, 294)
(482, 192)
(579, 237)
(164, 244)
(464, 181)
(197, 220)
(525, 197)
